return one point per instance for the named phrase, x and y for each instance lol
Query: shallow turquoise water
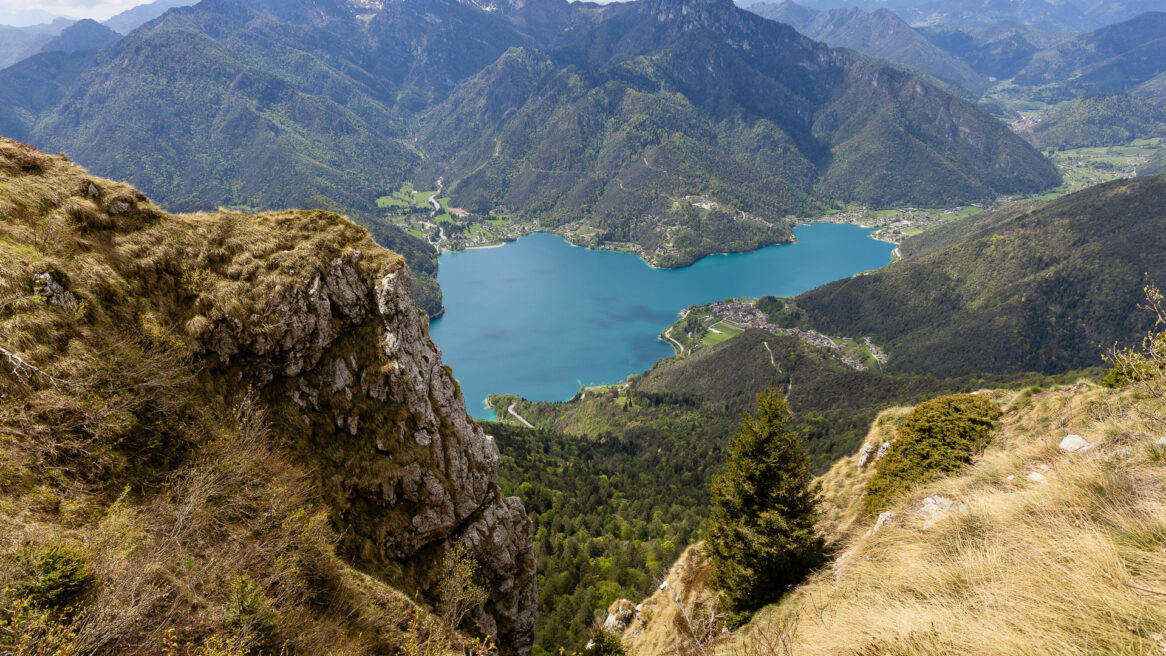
(538, 317)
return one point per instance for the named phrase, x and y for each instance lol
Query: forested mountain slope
(686, 122)
(1113, 120)
(1042, 287)
(669, 113)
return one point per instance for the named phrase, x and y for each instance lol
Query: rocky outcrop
(346, 354)
(619, 616)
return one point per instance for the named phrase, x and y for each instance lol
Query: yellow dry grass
(1073, 565)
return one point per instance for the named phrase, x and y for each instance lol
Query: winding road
(518, 416)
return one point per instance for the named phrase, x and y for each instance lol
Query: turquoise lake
(538, 317)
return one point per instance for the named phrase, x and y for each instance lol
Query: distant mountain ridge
(17, 43)
(880, 33)
(686, 125)
(1062, 16)
(81, 36)
(134, 17)
(1055, 67)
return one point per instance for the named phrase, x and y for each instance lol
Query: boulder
(1074, 443)
(885, 517)
(864, 455)
(1037, 477)
(47, 287)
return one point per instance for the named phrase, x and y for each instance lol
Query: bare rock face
(347, 354)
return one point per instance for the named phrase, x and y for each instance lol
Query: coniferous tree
(761, 538)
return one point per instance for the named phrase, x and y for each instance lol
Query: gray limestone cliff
(343, 356)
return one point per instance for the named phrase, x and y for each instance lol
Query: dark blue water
(538, 317)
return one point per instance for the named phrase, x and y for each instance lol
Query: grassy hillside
(1041, 551)
(157, 498)
(617, 481)
(1038, 287)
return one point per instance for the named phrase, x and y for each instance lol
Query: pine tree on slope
(760, 536)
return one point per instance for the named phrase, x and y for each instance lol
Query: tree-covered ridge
(1039, 287)
(1111, 120)
(651, 128)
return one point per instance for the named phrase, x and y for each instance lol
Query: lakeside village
(706, 325)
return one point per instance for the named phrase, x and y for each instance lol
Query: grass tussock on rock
(1031, 548)
(158, 493)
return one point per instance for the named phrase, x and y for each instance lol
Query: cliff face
(346, 354)
(140, 342)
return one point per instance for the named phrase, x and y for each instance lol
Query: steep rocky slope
(150, 353)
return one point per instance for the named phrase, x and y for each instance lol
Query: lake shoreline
(535, 318)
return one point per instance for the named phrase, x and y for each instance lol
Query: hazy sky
(96, 9)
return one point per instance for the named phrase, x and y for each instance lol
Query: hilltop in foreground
(232, 431)
(1045, 544)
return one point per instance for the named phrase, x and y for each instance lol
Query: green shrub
(50, 575)
(939, 436)
(249, 611)
(605, 643)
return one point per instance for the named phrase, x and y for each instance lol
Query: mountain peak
(85, 34)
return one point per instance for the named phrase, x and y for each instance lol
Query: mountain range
(18, 43)
(1024, 63)
(1055, 15)
(1054, 67)
(880, 33)
(685, 126)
